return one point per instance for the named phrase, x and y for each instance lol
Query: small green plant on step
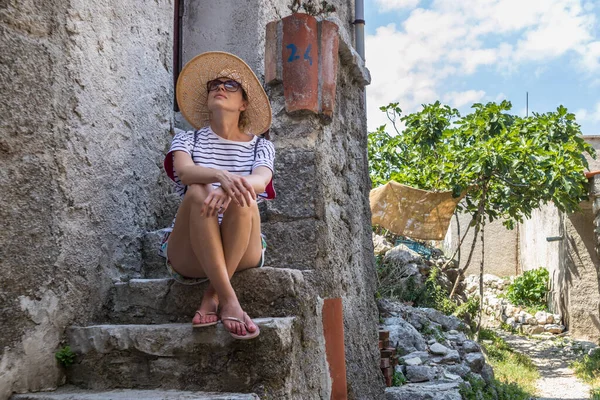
(595, 394)
(65, 356)
(398, 379)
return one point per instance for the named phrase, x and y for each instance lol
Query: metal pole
(359, 27)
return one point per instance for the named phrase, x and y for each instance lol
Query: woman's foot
(206, 315)
(238, 323)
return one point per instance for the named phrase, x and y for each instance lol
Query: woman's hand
(216, 202)
(237, 188)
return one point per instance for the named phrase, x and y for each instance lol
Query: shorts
(184, 280)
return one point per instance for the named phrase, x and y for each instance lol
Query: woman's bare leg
(196, 251)
(200, 252)
(240, 234)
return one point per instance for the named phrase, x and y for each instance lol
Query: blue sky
(467, 51)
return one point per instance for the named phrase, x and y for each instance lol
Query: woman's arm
(189, 173)
(241, 189)
(260, 178)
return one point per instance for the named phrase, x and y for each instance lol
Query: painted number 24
(294, 56)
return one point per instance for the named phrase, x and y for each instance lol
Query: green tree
(507, 165)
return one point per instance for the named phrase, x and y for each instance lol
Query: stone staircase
(145, 347)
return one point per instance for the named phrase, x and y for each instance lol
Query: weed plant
(65, 356)
(588, 368)
(428, 294)
(530, 290)
(510, 367)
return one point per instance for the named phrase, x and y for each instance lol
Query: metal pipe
(359, 27)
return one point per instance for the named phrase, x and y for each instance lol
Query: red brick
(300, 63)
(272, 54)
(329, 66)
(333, 330)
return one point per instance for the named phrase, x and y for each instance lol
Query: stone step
(176, 356)
(263, 292)
(70, 393)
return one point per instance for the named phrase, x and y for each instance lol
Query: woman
(218, 170)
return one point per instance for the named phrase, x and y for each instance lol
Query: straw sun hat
(192, 94)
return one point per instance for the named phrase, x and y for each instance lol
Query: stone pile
(405, 264)
(434, 354)
(499, 309)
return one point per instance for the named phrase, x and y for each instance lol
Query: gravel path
(553, 357)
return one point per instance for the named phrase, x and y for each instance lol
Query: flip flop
(249, 335)
(206, 323)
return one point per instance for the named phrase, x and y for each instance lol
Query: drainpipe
(359, 27)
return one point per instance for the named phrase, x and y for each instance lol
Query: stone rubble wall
(436, 355)
(499, 309)
(86, 113)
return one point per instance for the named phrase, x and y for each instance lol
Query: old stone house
(87, 115)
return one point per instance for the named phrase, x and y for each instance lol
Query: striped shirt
(212, 151)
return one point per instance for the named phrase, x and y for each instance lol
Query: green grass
(588, 370)
(595, 394)
(510, 367)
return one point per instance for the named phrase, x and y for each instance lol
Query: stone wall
(86, 110)
(320, 221)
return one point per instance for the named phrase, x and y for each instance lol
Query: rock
(550, 318)
(401, 255)
(451, 358)
(439, 349)
(475, 361)
(461, 370)
(487, 373)
(594, 352)
(456, 336)
(425, 391)
(432, 341)
(381, 245)
(452, 377)
(530, 319)
(511, 321)
(403, 335)
(400, 369)
(557, 318)
(470, 346)
(413, 361)
(534, 329)
(419, 373)
(541, 317)
(554, 328)
(423, 355)
(448, 322)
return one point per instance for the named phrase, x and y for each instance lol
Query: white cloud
(460, 99)
(410, 62)
(589, 116)
(387, 5)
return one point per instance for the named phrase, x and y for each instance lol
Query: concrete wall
(86, 114)
(501, 246)
(320, 221)
(573, 262)
(594, 141)
(536, 251)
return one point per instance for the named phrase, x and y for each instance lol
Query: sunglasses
(229, 85)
